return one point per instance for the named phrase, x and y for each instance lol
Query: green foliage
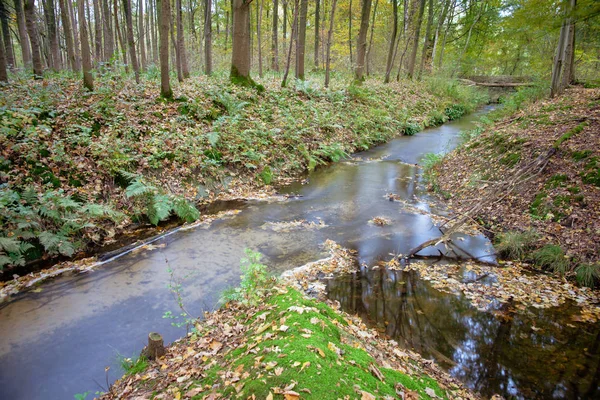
(133, 366)
(552, 257)
(52, 222)
(570, 133)
(81, 396)
(588, 274)
(332, 152)
(256, 282)
(411, 128)
(266, 175)
(455, 111)
(516, 245)
(158, 206)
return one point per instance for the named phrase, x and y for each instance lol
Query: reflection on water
(536, 353)
(56, 342)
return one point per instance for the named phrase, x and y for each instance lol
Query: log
(155, 348)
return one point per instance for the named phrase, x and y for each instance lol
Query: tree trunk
(120, 34)
(185, 71)
(97, 30)
(285, 5)
(33, 38)
(259, 10)
(240, 54)
(568, 58)
(368, 62)
(464, 51)
(9, 55)
(274, 44)
(361, 50)
(425, 53)
(175, 54)
(439, 26)
(329, 38)
(50, 12)
(317, 20)
(558, 68)
(164, 20)
(86, 56)
(3, 71)
(208, 67)
(301, 39)
(413, 54)
(391, 50)
(292, 36)
(131, 40)
(141, 34)
(66, 21)
(87, 8)
(350, 32)
(448, 24)
(109, 40)
(23, 38)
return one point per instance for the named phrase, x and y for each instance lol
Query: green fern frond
(138, 187)
(10, 245)
(185, 210)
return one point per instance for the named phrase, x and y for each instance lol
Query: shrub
(411, 128)
(516, 245)
(256, 282)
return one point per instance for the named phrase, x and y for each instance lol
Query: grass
(552, 257)
(516, 245)
(588, 274)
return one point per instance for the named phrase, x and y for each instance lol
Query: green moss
(537, 208)
(581, 155)
(312, 360)
(556, 181)
(511, 159)
(569, 134)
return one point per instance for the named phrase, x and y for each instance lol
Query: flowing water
(56, 341)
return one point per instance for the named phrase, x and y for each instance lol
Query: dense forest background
(389, 38)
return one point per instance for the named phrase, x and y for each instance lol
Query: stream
(59, 339)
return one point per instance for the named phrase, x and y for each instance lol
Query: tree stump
(155, 348)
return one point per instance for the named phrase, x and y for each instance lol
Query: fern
(49, 240)
(162, 206)
(186, 211)
(10, 245)
(138, 187)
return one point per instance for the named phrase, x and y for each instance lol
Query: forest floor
(79, 170)
(551, 219)
(288, 345)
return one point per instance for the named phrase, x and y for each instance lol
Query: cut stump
(155, 348)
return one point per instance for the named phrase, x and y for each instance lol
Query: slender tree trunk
(120, 34)
(208, 67)
(439, 25)
(425, 53)
(185, 71)
(33, 38)
(464, 51)
(3, 71)
(75, 27)
(148, 32)
(361, 50)
(109, 40)
(391, 50)
(9, 54)
(448, 25)
(176, 56)
(164, 20)
(66, 21)
(350, 32)
(97, 30)
(568, 58)
(226, 29)
(368, 62)
(23, 38)
(131, 40)
(274, 44)
(155, 28)
(301, 39)
(292, 37)
(141, 34)
(86, 56)
(88, 9)
(317, 20)
(329, 39)
(240, 55)
(285, 7)
(413, 54)
(259, 10)
(51, 36)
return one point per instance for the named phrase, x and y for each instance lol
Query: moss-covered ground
(288, 347)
